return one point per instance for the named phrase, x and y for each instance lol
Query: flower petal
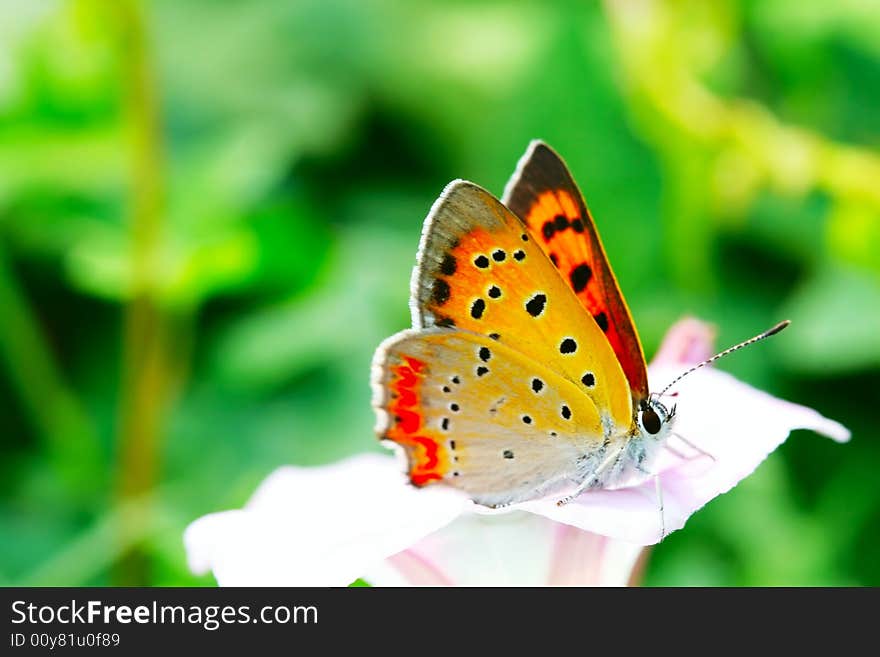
(586, 559)
(689, 341)
(509, 549)
(731, 421)
(319, 526)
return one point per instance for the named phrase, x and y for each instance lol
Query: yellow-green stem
(145, 378)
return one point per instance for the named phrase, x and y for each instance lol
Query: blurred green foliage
(209, 213)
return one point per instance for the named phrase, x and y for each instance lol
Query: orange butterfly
(523, 374)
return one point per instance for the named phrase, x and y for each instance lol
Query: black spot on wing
(481, 261)
(535, 305)
(568, 346)
(580, 276)
(449, 265)
(440, 292)
(477, 308)
(602, 321)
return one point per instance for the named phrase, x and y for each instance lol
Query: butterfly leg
(589, 481)
(687, 442)
(659, 490)
(500, 505)
(681, 455)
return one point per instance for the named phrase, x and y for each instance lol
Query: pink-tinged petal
(733, 422)
(629, 514)
(736, 424)
(508, 549)
(407, 568)
(585, 559)
(319, 526)
(688, 342)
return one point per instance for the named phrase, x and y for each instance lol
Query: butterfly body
(523, 375)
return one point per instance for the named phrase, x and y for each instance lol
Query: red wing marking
(426, 462)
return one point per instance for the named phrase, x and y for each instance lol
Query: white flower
(330, 525)
(318, 526)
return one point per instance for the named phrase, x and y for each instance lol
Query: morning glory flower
(360, 518)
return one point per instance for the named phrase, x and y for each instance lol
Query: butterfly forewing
(482, 417)
(480, 270)
(543, 194)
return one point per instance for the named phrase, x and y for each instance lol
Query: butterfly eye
(651, 421)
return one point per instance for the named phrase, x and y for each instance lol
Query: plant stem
(145, 380)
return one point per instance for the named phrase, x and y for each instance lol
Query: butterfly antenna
(766, 334)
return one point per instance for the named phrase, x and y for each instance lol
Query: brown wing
(544, 195)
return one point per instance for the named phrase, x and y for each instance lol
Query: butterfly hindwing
(544, 195)
(480, 270)
(482, 417)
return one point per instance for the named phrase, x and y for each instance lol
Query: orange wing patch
(427, 461)
(481, 271)
(544, 195)
(558, 227)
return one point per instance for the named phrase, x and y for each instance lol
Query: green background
(209, 212)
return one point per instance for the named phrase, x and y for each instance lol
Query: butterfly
(523, 374)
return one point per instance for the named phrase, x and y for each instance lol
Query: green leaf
(835, 318)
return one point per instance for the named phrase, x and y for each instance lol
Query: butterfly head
(654, 418)
(654, 426)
